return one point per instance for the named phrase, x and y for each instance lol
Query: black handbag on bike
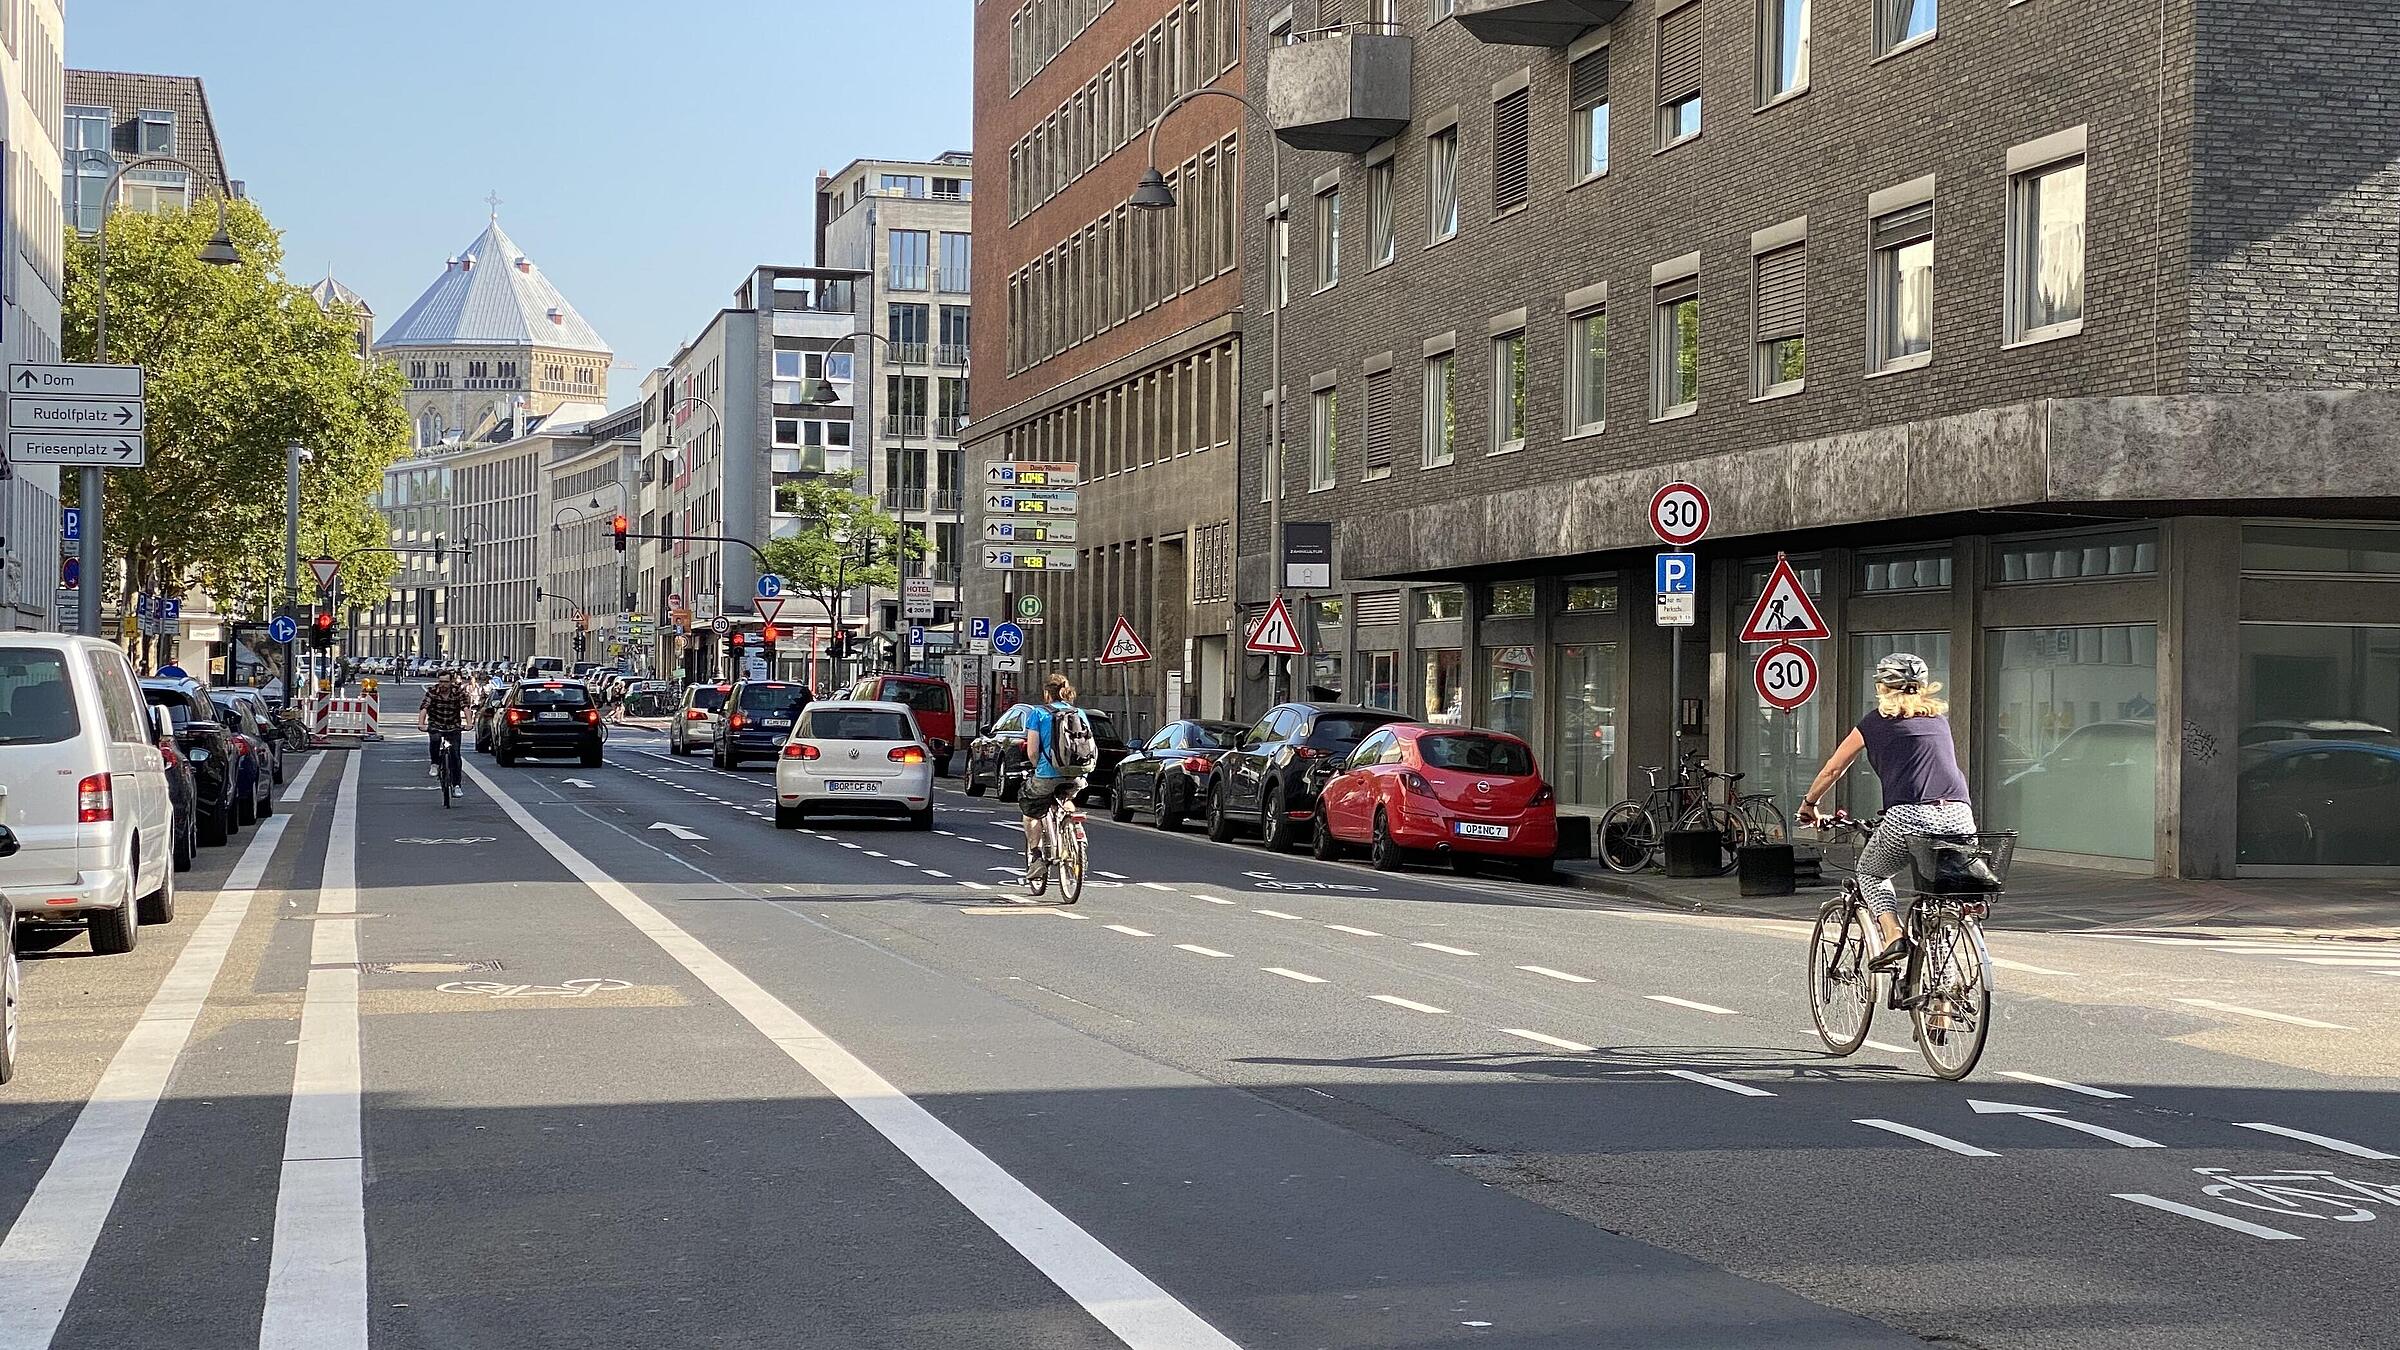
(1953, 864)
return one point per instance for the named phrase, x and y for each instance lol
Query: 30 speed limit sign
(1679, 514)
(1786, 676)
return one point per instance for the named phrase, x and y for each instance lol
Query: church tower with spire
(490, 344)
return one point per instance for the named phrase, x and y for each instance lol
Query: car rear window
(930, 698)
(544, 696)
(1344, 731)
(709, 698)
(854, 724)
(1102, 728)
(37, 705)
(773, 697)
(1214, 738)
(1476, 754)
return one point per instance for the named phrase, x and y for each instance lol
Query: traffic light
(738, 637)
(617, 527)
(766, 644)
(320, 632)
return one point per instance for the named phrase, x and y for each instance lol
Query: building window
(2070, 737)
(156, 135)
(1440, 602)
(1903, 288)
(1508, 600)
(1511, 129)
(1508, 392)
(1329, 238)
(2320, 782)
(1679, 76)
(1324, 439)
(1381, 237)
(1441, 184)
(1508, 690)
(909, 259)
(1445, 685)
(2123, 553)
(1591, 597)
(1586, 715)
(1918, 569)
(958, 262)
(1900, 22)
(1780, 284)
(1675, 348)
(1782, 48)
(2045, 251)
(1587, 103)
(903, 185)
(1441, 417)
(1442, 9)
(1380, 429)
(1587, 372)
(1282, 227)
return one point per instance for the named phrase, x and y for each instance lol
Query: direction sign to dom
(1032, 473)
(75, 414)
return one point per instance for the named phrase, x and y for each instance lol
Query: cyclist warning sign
(1123, 646)
(1275, 632)
(1784, 612)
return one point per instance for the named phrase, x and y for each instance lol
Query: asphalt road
(536, 1071)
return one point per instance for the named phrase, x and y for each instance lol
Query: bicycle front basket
(1961, 864)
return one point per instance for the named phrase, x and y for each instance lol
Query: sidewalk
(2043, 898)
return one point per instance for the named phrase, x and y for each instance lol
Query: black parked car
(996, 757)
(207, 746)
(1171, 775)
(1268, 782)
(254, 759)
(756, 721)
(547, 719)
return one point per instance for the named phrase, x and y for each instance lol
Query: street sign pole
(1679, 515)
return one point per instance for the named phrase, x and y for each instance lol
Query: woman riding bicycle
(1907, 740)
(1045, 781)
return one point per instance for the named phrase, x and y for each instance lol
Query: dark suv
(756, 720)
(1268, 781)
(547, 719)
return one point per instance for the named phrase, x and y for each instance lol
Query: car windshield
(1476, 754)
(231, 714)
(179, 710)
(773, 698)
(709, 698)
(854, 724)
(932, 698)
(1102, 728)
(1338, 730)
(553, 696)
(37, 705)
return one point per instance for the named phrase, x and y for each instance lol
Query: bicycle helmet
(1904, 671)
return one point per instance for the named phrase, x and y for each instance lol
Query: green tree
(845, 541)
(238, 363)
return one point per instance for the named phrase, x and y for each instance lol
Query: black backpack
(1074, 751)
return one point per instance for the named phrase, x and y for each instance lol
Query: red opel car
(926, 696)
(1456, 792)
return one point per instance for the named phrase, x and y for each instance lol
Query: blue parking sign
(1677, 573)
(70, 524)
(979, 629)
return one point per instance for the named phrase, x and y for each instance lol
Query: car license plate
(852, 785)
(1474, 829)
(775, 722)
(554, 716)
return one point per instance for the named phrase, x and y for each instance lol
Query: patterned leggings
(1886, 853)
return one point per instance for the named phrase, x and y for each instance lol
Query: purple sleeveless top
(1915, 758)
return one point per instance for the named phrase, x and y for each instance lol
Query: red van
(928, 696)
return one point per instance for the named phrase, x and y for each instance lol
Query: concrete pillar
(1968, 554)
(2199, 696)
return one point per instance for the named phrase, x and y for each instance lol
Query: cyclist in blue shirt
(1046, 783)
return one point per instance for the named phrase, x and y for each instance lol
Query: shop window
(2069, 738)
(2320, 746)
(1508, 690)
(1910, 570)
(1379, 679)
(1441, 602)
(1445, 684)
(1508, 599)
(2076, 557)
(1591, 597)
(1861, 794)
(2354, 550)
(1584, 770)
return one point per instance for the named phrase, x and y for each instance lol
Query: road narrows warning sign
(1784, 612)
(1275, 632)
(1124, 646)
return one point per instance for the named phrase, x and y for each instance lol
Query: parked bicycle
(1945, 985)
(1633, 834)
(1065, 846)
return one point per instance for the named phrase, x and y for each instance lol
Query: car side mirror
(162, 725)
(8, 842)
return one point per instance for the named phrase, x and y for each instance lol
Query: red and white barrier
(353, 715)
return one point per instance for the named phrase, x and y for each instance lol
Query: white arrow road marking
(2050, 1115)
(2239, 1010)
(678, 831)
(2256, 1230)
(2337, 1145)
(1929, 1137)
(2063, 1084)
(575, 782)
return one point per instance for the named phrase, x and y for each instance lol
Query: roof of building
(331, 292)
(126, 93)
(492, 294)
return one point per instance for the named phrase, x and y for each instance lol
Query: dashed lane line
(1439, 947)
(1409, 1003)
(2256, 1230)
(1346, 928)
(1198, 950)
(2321, 1141)
(1543, 1038)
(1557, 974)
(2027, 968)
(1127, 929)
(1695, 1007)
(1158, 886)
(1722, 1084)
(1277, 914)
(1302, 976)
(1942, 1141)
(2063, 1085)
(2286, 1018)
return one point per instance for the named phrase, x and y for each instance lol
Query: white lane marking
(935, 872)
(1277, 914)
(1159, 886)
(951, 833)
(900, 862)
(2385, 961)
(1438, 947)
(1199, 950)
(1108, 1287)
(1409, 1003)
(317, 1272)
(1214, 900)
(1725, 1084)
(1928, 1137)
(1361, 932)
(2050, 1115)
(1890, 1049)
(873, 854)
(1127, 930)
(1292, 974)
(2321, 1141)
(1557, 974)
(2286, 1018)
(1695, 1007)
(2063, 1084)
(1558, 1041)
(845, 843)
(2256, 1230)
(1112, 876)
(976, 884)
(44, 1255)
(2005, 964)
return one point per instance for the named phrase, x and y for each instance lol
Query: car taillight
(167, 752)
(1306, 752)
(1541, 794)
(95, 800)
(696, 715)
(1198, 764)
(591, 715)
(799, 750)
(1415, 782)
(907, 754)
(515, 715)
(735, 721)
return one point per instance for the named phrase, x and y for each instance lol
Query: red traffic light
(738, 636)
(768, 634)
(617, 527)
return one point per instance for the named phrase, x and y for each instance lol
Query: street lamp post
(217, 252)
(1153, 194)
(571, 514)
(294, 455)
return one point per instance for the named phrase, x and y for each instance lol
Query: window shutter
(1379, 423)
(1783, 293)
(1377, 607)
(1510, 127)
(1587, 81)
(1904, 227)
(1679, 55)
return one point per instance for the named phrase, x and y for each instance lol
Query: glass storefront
(1380, 687)
(1445, 685)
(1776, 751)
(1584, 771)
(1508, 690)
(2069, 738)
(1860, 793)
(2319, 777)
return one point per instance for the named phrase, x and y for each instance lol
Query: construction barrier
(355, 715)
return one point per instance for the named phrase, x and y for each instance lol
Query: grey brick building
(2056, 341)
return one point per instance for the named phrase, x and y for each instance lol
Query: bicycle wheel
(1952, 1002)
(1765, 820)
(1072, 861)
(1628, 837)
(1841, 990)
(1731, 832)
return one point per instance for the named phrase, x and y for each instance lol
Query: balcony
(1534, 23)
(912, 500)
(907, 353)
(950, 354)
(907, 276)
(909, 425)
(948, 425)
(1343, 88)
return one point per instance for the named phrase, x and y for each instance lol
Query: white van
(84, 788)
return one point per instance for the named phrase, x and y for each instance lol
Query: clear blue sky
(646, 154)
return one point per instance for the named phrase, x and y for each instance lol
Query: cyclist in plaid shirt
(442, 717)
